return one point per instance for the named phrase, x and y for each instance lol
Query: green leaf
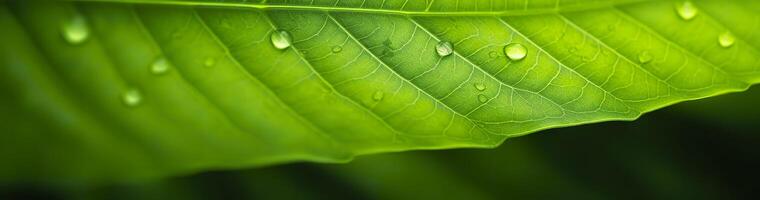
(132, 89)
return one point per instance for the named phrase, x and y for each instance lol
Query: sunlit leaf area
(379, 99)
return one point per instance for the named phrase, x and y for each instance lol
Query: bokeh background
(705, 149)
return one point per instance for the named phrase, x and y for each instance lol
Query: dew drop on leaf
(482, 98)
(131, 98)
(160, 66)
(645, 57)
(75, 30)
(281, 39)
(726, 39)
(337, 49)
(444, 48)
(479, 86)
(515, 51)
(209, 62)
(378, 96)
(687, 10)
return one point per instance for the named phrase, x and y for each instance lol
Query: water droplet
(687, 10)
(479, 86)
(160, 66)
(482, 98)
(75, 31)
(493, 54)
(337, 49)
(209, 62)
(131, 98)
(515, 51)
(378, 96)
(444, 48)
(281, 39)
(304, 52)
(726, 39)
(645, 57)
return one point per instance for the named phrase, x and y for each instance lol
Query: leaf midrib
(426, 12)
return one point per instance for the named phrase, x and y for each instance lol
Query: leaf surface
(164, 87)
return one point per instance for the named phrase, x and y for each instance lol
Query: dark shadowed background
(706, 149)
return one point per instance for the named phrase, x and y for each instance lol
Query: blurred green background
(705, 149)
